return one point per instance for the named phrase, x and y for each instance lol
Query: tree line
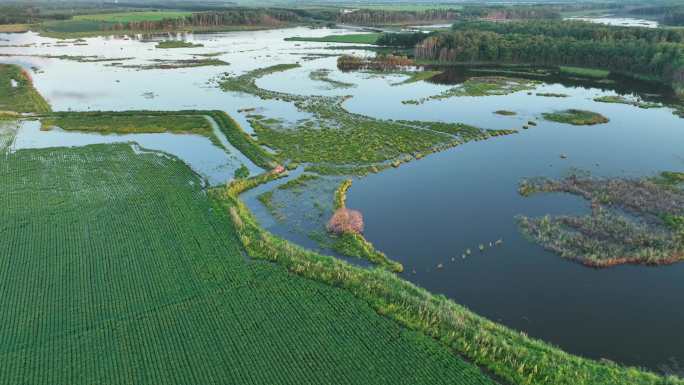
(579, 30)
(238, 17)
(660, 61)
(385, 17)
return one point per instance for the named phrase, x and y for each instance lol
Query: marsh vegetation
(576, 117)
(633, 221)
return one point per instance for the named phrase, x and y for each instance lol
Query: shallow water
(619, 21)
(425, 212)
(215, 164)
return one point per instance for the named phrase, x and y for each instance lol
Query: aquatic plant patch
(355, 38)
(323, 75)
(168, 44)
(618, 99)
(336, 136)
(636, 221)
(482, 86)
(576, 117)
(162, 64)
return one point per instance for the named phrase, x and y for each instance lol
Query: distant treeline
(546, 44)
(233, 17)
(16, 14)
(669, 15)
(577, 30)
(386, 17)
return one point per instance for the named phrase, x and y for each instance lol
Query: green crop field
(17, 93)
(118, 269)
(125, 17)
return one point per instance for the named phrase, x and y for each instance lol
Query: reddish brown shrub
(345, 220)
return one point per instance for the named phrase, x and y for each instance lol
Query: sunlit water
(425, 212)
(618, 21)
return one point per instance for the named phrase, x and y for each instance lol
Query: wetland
(499, 189)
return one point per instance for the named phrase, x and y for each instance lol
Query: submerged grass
(336, 136)
(166, 44)
(418, 76)
(510, 355)
(17, 93)
(576, 117)
(482, 86)
(356, 38)
(323, 75)
(617, 99)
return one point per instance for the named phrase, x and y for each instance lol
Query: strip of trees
(386, 17)
(578, 30)
(233, 17)
(662, 61)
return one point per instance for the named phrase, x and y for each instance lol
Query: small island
(576, 117)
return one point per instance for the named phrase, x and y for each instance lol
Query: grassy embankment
(17, 93)
(582, 72)
(173, 288)
(336, 137)
(168, 44)
(576, 117)
(354, 38)
(510, 355)
(128, 122)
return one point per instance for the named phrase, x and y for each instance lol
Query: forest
(386, 17)
(240, 16)
(554, 44)
(578, 30)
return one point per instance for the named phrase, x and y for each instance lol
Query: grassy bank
(581, 72)
(510, 355)
(355, 38)
(130, 122)
(17, 92)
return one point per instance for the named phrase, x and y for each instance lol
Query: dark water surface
(428, 211)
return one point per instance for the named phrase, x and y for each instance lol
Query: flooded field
(450, 217)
